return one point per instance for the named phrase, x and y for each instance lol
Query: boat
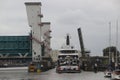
(115, 74)
(108, 73)
(68, 59)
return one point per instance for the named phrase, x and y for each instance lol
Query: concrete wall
(34, 20)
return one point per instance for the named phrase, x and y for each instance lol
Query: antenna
(68, 40)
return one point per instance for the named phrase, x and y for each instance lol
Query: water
(50, 75)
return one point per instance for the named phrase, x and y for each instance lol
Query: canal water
(50, 75)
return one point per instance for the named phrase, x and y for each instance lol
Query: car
(116, 74)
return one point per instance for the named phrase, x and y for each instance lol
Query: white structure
(39, 29)
(46, 37)
(54, 54)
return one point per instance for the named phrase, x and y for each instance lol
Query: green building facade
(15, 46)
(15, 49)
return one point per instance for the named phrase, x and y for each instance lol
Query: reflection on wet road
(50, 75)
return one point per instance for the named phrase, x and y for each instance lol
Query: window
(34, 53)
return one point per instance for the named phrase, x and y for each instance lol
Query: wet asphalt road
(50, 75)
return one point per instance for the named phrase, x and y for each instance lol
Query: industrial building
(15, 50)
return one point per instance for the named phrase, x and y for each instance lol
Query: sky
(66, 16)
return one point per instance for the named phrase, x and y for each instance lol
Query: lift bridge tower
(40, 31)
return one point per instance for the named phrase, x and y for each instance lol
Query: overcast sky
(93, 16)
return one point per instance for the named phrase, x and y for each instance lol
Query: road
(50, 75)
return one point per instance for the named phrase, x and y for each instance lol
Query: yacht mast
(116, 40)
(109, 42)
